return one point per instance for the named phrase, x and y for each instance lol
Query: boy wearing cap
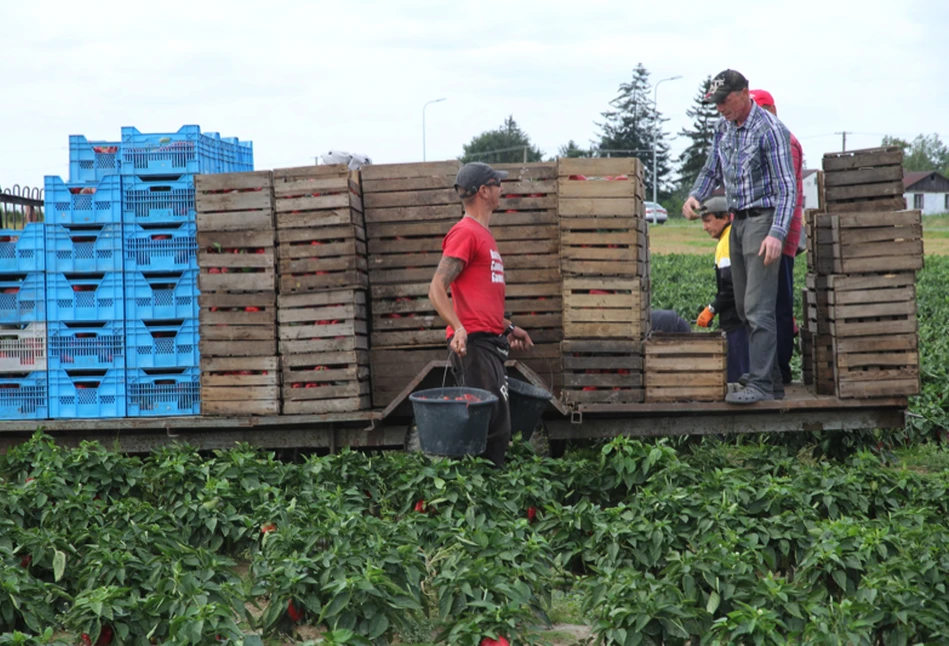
(479, 336)
(716, 220)
(784, 309)
(751, 155)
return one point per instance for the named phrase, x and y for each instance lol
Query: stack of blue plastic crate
(23, 378)
(122, 272)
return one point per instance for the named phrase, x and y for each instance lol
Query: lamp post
(655, 136)
(427, 103)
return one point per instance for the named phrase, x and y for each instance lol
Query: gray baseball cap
(714, 205)
(473, 176)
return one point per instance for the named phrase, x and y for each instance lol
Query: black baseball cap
(724, 84)
(473, 176)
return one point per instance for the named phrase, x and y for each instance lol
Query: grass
(679, 235)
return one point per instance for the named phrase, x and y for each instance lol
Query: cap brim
(718, 97)
(500, 174)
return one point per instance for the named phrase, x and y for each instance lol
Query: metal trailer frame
(386, 428)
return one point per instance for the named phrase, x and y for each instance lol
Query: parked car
(655, 213)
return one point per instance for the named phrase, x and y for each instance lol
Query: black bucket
(528, 402)
(451, 427)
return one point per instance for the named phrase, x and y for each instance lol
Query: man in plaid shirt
(751, 156)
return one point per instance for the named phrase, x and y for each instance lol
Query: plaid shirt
(753, 161)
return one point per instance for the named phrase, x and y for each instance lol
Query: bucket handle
(445, 374)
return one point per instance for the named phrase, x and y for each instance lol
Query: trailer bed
(800, 411)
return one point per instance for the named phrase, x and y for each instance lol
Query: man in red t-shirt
(478, 334)
(784, 306)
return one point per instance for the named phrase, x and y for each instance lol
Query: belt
(748, 213)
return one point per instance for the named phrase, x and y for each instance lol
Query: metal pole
(427, 103)
(655, 137)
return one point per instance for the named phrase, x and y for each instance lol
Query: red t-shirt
(478, 293)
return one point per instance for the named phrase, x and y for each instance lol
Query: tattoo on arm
(448, 269)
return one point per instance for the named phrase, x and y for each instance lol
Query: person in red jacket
(784, 307)
(479, 336)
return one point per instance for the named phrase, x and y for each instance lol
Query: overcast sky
(301, 77)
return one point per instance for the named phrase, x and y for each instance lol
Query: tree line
(631, 126)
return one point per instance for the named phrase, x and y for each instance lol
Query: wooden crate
(240, 386)
(537, 308)
(325, 382)
(404, 193)
(240, 324)
(234, 201)
(528, 195)
(862, 305)
(603, 246)
(616, 308)
(547, 361)
(318, 258)
(685, 367)
(393, 368)
(317, 196)
(593, 188)
(863, 180)
(226, 253)
(597, 371)
(322, 321)
(406, 252)
(867, 242)
(877, 366)
(817, 353)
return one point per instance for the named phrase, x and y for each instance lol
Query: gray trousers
(756, 291)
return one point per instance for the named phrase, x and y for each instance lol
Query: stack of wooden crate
(604, 251)
(409, 209)
(237, 307)
(526, 229)
(861, 285)
(685, 367)
(322, 276)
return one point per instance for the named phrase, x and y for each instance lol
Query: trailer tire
(412, 443)
(540, 440)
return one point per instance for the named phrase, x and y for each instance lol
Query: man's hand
(771, 249)
(520, 339)
(691, 209)
(705, 318)
(459, 342)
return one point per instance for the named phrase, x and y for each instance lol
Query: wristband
(510, 329)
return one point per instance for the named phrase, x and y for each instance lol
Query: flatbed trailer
(801, 410)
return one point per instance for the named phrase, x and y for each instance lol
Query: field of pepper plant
(789, 539)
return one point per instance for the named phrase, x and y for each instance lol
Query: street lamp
(427, 103)
(655, 136)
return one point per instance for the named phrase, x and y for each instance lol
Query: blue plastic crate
(91, 248)
(90, 161)
(237, 156)
(22, 297)
(86, 345)
(164, 392)
(162, 344)
(152, 296)
(170, 247)
(85, 297)
(86, 394)
(83, 203)
(158, 202)
(22, 250)
(24, 395)
(186, 151)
